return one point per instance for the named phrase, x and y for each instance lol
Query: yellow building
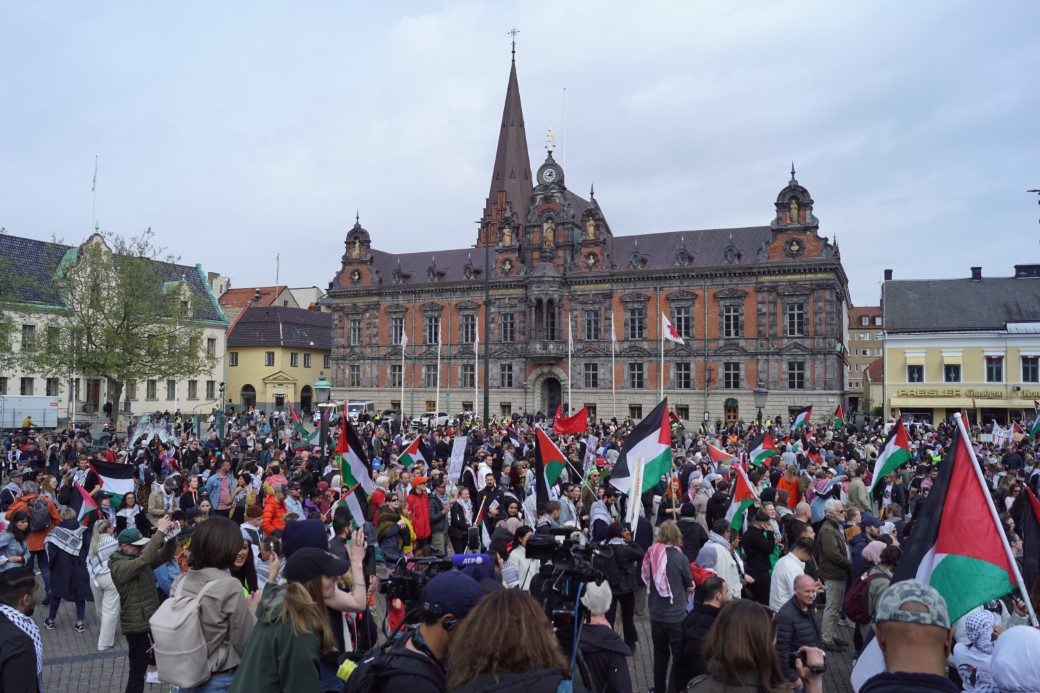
(962, 344)
(275, 355)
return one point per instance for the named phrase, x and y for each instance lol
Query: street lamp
(761, 393)
(322, 391)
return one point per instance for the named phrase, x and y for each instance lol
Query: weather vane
(513, 32)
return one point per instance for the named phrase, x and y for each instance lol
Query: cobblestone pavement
(73, 663)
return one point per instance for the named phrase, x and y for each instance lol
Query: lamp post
(322, 390)
(761, 393)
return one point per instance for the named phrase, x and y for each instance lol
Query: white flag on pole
(669, 331)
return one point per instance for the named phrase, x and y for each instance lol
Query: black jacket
(421, 674)
(458, 527)
(901, 682)
(17, 660)
(795, 628)
(629, 559)
(606, 655)
(693, 537)
(438, 514)
(758, 546)
(534, 681)
(718, 504)
(694, 630)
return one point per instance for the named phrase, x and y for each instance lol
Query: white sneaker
(152, 677)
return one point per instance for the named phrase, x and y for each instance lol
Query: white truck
(15, 408)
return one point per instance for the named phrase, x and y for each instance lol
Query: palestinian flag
(479, 517)
(957, 545)
(645, 458)
(514, 438)
(744, 496)
(839, 417)
(83, 504)
(895, 453)
(354, 469)
(413, 453)
(763, 448)
(716, 455)
(801, 419)
(117, 479)
(549, 462)
(1036, 422)
(1029, 528)
(577, 423)
(298, 426)
(351, 501)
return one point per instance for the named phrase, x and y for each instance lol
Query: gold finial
(550, 141)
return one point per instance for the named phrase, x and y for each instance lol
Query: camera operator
(416, 662)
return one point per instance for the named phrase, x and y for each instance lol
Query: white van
(354, 409)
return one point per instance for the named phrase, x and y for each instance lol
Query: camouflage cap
(929, 607)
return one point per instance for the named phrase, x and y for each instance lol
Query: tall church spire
(511, 176)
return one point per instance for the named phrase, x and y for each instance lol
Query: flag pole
(404, 344)
(476, 371)
(634, 494)
(613, 352)
(660, 367)
(437, 395)
(570, 378)
(996, 518)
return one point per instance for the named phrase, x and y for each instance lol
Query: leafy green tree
(129, 317)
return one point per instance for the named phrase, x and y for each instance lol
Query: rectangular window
(211, 347)
(28, 337)
(591, 325)
(3, 385)
(52, 387)
(53, 334)
(591, 379)
(590, 409)
(327, 361)
(354, 375)
(396, 329)
(684, 375)
(469, 377)
(864, 352)
(468, 333)
(268, 358)
(193, 389)
(232, 358)
(431, 329)
(683, 412)
(731, 326)
(429, 375)
(635, 376)
(636, 323)
(994, 369)
(794, 319)
(395, 375)
(508, 321)
(683, 321)
(505, 374)
(171, 389)
(131, 390)
(1030, 369)
(505, 409)
(796, 375)
(915, 374)
(354, 332)
(306, 360)
(151, 390)
(27, 386)
(294, 359)
(731, 375)
(635, 411)
(877, 321)
(211, 389)
(951, 372)
(877, 352)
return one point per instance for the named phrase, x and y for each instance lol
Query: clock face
(549, 175)
(355, 276)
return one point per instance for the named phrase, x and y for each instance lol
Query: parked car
(430, 420)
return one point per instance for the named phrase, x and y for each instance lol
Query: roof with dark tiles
(956, 305)
(34, 265)
(279, 326)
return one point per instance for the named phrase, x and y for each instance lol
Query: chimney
(976, 274)
(888, 275)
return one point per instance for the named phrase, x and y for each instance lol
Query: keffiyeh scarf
(27, 626)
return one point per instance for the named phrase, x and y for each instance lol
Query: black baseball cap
(308, 563)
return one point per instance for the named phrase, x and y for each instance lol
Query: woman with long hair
(391, 530)
(106, 597)
(506, 642)
(669, 580)
(461, 519)
(129, 514)
(190, 495)
(244, 568)
(292, 628)
(14, 542)
(227, 620)
(740, 653)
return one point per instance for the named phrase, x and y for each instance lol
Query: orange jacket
(274, 515)
(35, 538)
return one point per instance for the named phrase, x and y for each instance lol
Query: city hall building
(546, 270)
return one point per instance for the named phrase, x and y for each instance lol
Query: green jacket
(135, 582)
(277, 660)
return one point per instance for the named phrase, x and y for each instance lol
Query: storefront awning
(951, 360)
(915, 360)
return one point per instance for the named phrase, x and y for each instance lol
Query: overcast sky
(240, 130)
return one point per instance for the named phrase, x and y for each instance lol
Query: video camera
(409, 578)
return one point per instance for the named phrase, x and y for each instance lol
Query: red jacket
(274, 515)
(419, 513)
(37, 538)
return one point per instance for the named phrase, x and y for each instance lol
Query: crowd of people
(255, 524)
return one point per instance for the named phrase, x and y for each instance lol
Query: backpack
(379, 663)
(181, 655)
(39, 514)
(857, 597)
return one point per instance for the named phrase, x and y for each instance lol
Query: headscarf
(1015, 666)
(872, 552)
(979, 629)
